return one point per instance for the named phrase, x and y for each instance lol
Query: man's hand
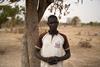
(52, 60)
(66, 56)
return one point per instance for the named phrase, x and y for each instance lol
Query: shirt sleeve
(66, 44)
(39, 42)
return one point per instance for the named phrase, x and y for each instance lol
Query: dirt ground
(10, 47)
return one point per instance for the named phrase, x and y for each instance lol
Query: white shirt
(52, 46)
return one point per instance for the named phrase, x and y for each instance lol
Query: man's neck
(53, 32)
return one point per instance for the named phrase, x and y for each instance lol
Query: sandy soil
(10, 50)
(10, 47)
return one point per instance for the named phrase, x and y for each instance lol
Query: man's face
(53, 25)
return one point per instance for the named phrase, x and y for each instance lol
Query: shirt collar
(54, 33)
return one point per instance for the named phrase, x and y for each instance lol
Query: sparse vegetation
(84, 44)
(75, 21)
(81, 54)
(91, 23)
(11, 12)
(2, 51)
(94, 23)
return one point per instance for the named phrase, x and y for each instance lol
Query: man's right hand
(50, 60)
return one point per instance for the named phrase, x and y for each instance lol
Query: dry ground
(10, 50)
(10, 47)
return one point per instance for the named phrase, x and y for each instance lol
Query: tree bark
(32, 30)
(43, 4)
(25, 57)
(0, 27)
(31, 36)
(32, 18)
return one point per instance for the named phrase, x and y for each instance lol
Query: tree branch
(43, 4)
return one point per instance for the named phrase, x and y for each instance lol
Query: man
(53, 47)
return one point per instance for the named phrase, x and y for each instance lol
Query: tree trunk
(31, 36)
(25, 58)
(43, 4)
(0, 26)
(33, 16)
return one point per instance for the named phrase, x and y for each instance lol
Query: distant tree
(18, 20)
(94, 23)
(91, 23)
(9, 11)
(75, 20)
(3, 18)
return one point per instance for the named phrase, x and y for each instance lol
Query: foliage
(59, 5)
(75, 20)
(18, 20)
(94, 23)
(3, 18)
(8, 11)
(91, 23)
(1, 1)
(14, 0)
(11, 12)
(84, 44)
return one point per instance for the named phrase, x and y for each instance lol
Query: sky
(88, 11)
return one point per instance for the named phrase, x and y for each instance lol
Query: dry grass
(10, 47)
(84, 44)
